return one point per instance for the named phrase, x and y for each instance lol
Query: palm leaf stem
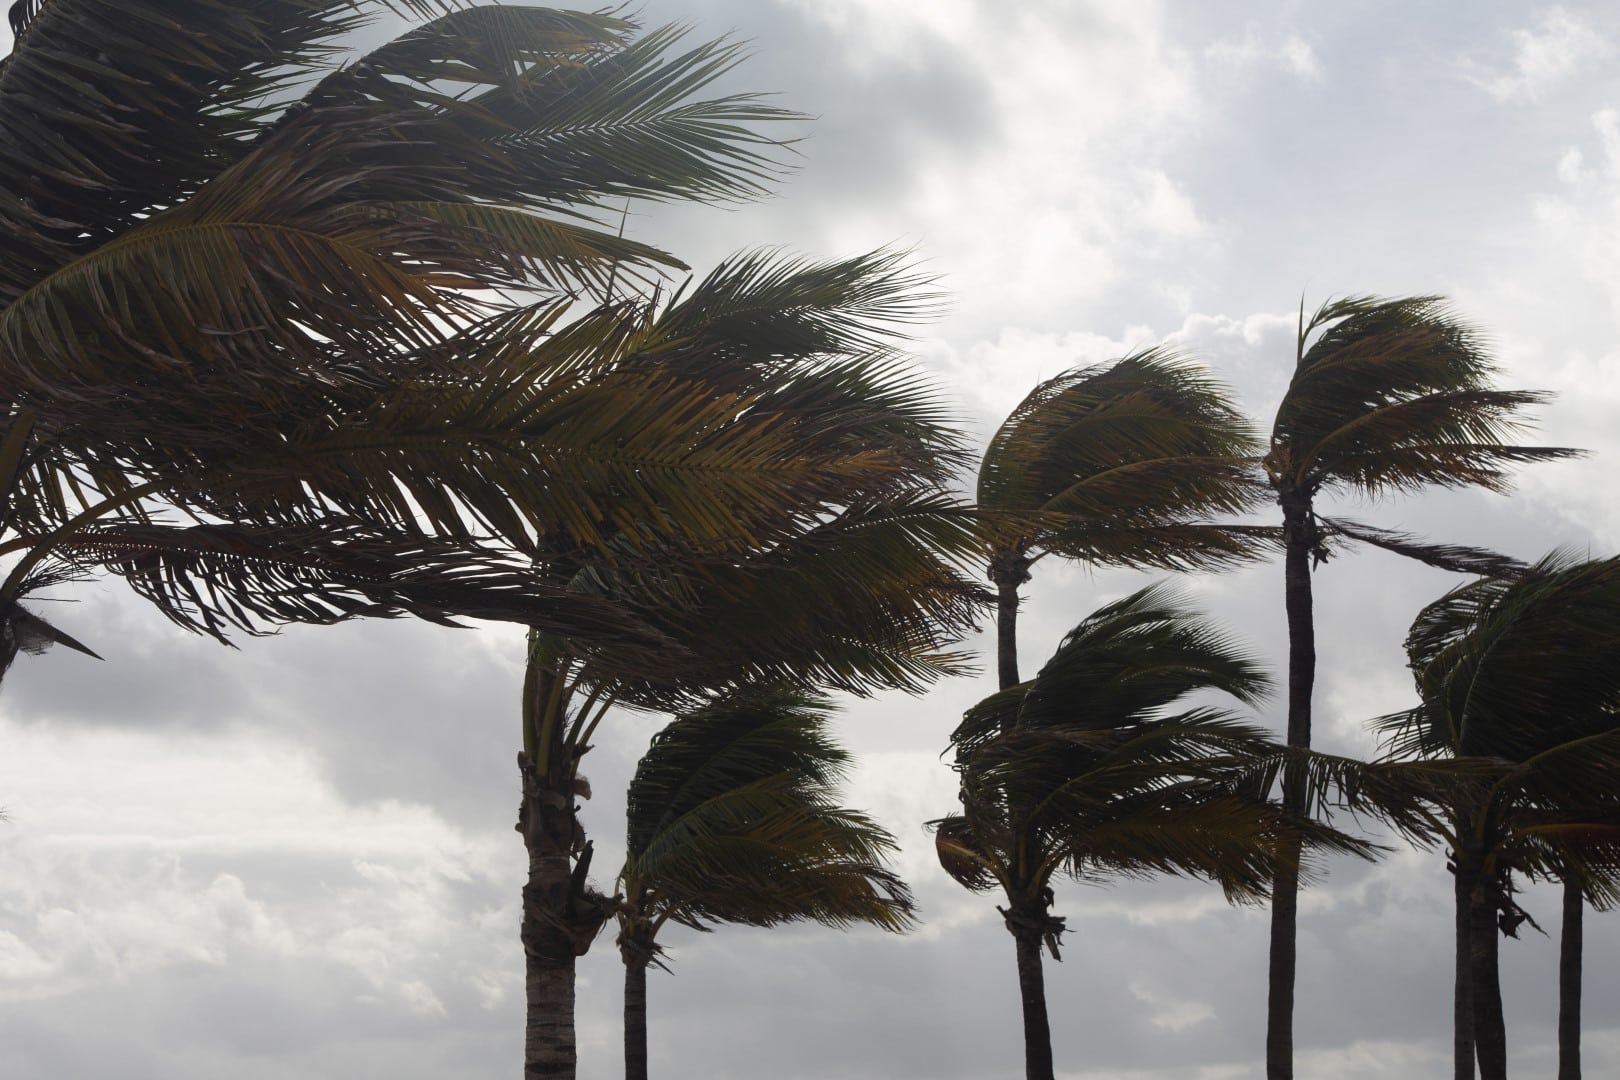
(37, 549)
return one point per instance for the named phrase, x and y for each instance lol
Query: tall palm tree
(1117, 464)
(734, 817)
(856, 587)
(1515, 746)
(1388, 396)
(251, 286)
(288, 339)
(1100, 767)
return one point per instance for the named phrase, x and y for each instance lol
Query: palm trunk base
(1034, 927)
(1283, 956)
(1569, 984)
(561, 917)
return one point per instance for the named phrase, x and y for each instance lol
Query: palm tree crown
(734, 818)
(1098, 767)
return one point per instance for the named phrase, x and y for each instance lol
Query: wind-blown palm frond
(212, 578)
(209, 281)
(733, 817)
(1506, 668)
(1458, 558)
(1125, 464)
(866, 600)
(1125, 664)
(1395, 395)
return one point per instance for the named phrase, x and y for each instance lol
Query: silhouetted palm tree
(1099, 767)
(854, 586)
(1516, 748)
(1387, 396)
(734, 817)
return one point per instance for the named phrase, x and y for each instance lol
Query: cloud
(1560, 46)
(1242, 54)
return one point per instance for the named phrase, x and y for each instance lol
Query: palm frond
(1395, 395)
(214, 578)
(1457, 558)
(1148, 444)
(733, 818)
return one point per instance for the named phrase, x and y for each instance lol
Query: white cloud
(1583, 219)
(1560, 46)
(1251, 50)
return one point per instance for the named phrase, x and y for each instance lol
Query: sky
(297, 858)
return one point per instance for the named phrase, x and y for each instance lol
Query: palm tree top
(733, 817)
(1508, 668)
(1126, 664)
(1122, 463)
(1394, 395)
(1099, 766)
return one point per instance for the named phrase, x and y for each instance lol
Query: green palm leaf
(1124, 463)
(733, 818)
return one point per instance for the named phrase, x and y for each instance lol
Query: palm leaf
(1394, 395)
(733, 818)
(212, 578)
(1147, 445)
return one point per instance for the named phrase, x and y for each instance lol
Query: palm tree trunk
(562, 914)
(1462, 1002)
(1299, 539)
(1490, 1030)
(1008, 571)
(1569, 984)
(549, 1051)
(635, 1018)
(1032, 990)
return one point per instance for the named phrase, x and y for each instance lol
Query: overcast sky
(297, 859)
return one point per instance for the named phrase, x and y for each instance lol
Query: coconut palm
(855, 587)
(1388, 396)
(1515, 747)
(1100, 767)
(734, 817)
(253, 286)
(1116, 464)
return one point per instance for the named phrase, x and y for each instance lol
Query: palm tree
(1116, 465)
(734, 817)
(1387, 396)
(1099, 767)
(1516, 748)
(855, 588)
(276, 299)
(250, 287)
